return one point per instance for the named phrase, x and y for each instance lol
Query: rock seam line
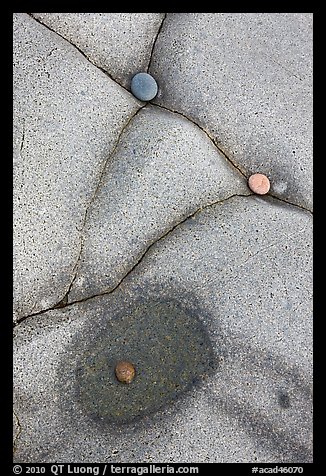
(150, 60)
(290, 73)
(64, 303)
(18, 432)
(153, 243)
(155, 40)
(162, 237)
(290, 203)
(221, 151)
(110, 155)
(80, 51)
(143, 254)
(23, 137)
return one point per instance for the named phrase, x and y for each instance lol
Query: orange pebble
(259, 184)
(125, 372)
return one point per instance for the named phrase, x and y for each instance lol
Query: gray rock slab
(67, 118)
(243, 269)
(253, 254)
(247, 79)
(163, 169)
(120, 43)
(53, 432)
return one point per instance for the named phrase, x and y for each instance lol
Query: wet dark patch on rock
(167, 344)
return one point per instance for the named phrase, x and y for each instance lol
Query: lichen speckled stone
(125, 371)
(144, 87)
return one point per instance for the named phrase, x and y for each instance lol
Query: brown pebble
(259, 184)
(125, 371)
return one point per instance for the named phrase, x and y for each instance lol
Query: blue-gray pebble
(144, 86)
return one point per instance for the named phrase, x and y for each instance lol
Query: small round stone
(125, 371)
(144, 86)
(259, 184)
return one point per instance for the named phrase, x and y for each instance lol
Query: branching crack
(74, 272)
(221, 151)
(212, 139)
(64, 301)
(154, 42)
(141, 257)
(18, 432)
(80, 51)
(153, 243)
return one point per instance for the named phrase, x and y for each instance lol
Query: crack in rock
(155, 40)
(144, 253)
(212, 139)
(75, 268)
(290, 73)
(80, 51)
(237, 167)
(23, 137)
(221, 151)
(153, 243)
(290, 203)
(261, 250)
(64, 301)
(138, 261)
(18, 432)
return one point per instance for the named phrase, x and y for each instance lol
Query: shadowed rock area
(169, 349)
